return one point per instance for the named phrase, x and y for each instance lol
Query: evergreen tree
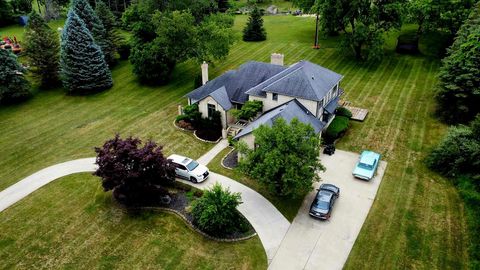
(112, 36)
(42, 49)
(85, 12)
(6, 13)
(13, 85)
(459, 85)
(82, 66)
(254, 30)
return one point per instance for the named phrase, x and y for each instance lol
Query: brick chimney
(204, 72)
(277, 59)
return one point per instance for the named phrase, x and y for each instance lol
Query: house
(303, 90)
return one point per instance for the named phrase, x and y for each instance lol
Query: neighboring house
(303, 90)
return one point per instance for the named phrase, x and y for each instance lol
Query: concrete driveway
(315, 244)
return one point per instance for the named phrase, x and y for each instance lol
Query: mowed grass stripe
(374, 110)
(388, 94)
(395, 92)
(412, 179)
(397, 119)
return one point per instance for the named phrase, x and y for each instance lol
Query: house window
(211, 109)
(274, 96)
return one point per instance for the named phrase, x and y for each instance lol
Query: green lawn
(288, 207)
(72, 224)
(417, 218)
(17, 30)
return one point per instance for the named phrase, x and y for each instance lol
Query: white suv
(189, 169)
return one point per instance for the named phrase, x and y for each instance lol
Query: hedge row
(336, 129)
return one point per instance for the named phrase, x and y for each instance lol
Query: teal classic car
(367, 165)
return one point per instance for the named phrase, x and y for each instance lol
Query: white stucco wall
(203, 108)
(268, 103)
(249, 140)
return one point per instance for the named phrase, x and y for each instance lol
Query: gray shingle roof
(302, 80)
(287, 111)
(237, 82)
(220, 96)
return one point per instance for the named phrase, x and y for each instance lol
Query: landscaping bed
(182, 196)
(231, 159)
(208, 134)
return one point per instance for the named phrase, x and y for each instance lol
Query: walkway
(207, 157)
(23, 188)
(270, 225)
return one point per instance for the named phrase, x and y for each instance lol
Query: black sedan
(323, 204)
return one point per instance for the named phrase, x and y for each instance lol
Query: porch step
(233, 131)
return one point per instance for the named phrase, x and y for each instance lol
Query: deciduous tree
(42, 49)
(6, 13)
(285, 159)
(137, 174)
(458, 95)
(82, 65)
(163, 39)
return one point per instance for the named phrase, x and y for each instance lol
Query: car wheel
(193, 179)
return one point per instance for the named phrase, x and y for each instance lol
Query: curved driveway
(270, 225)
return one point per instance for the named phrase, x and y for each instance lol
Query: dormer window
(274, 96)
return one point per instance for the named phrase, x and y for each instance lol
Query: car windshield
(365, 166)
(192, 165)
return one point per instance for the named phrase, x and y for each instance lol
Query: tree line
(457, 156)
(364, 22)
(164, 33)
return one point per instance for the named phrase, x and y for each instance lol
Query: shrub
(458, 152)
(136, 174)
(216, 211)
(184, 124)
(182, 117)
(192, 113)
(249, 110)
(342, 111)
(336, 129)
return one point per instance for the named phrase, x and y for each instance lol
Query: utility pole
(316, 46)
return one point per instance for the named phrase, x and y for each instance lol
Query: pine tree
(42, 49)
(254, 30)
(13, 85)
(85, 12)
(112, 36)
(82, 66)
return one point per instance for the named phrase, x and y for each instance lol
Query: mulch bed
(209, 134)
(231, 160)
(181, 200)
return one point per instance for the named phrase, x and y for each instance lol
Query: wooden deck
(358, 114)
